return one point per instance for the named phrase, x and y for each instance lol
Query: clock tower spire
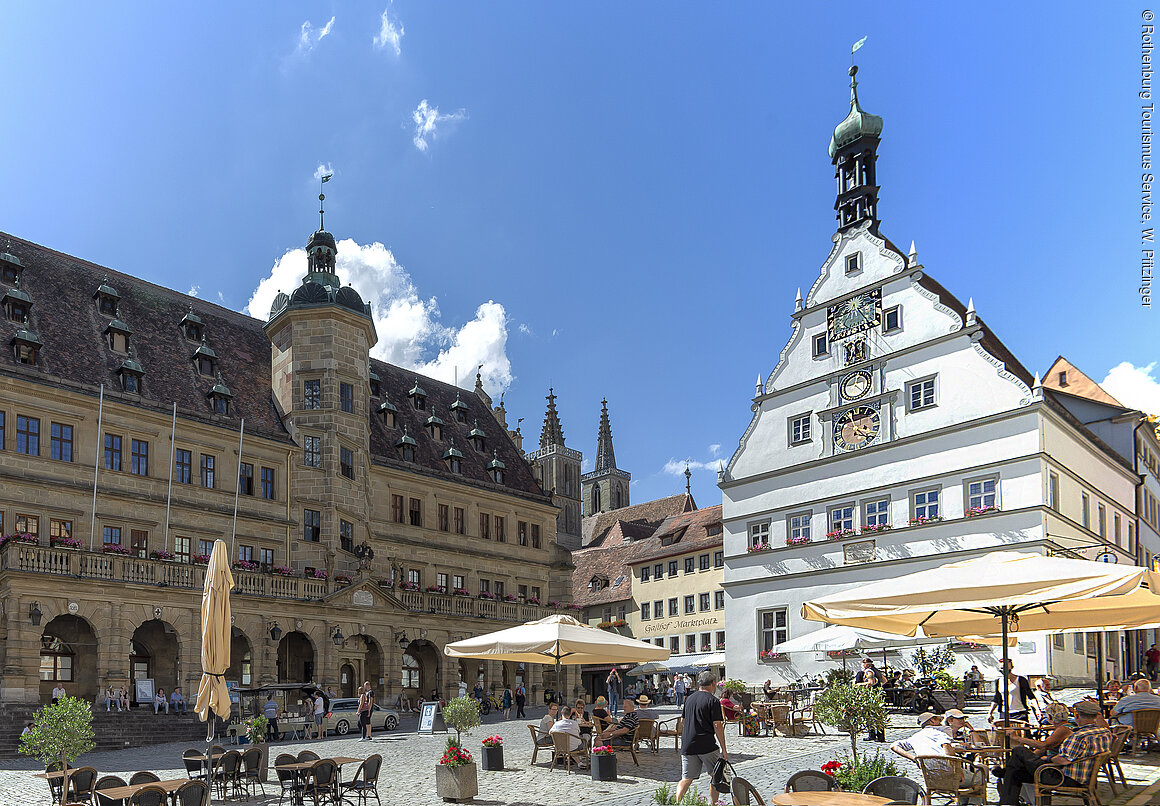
(854, 150)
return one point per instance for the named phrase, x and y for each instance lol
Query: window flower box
(435, 589)
(797, 541)
(841, 534)
(509, 597)
(486, 595)
(31, 540)
(317, 573)
(201, 559)
(64, 542)
(387, 583)
(555, 604)
(460, 592)
(838, 654)
(342, 579)
(769, 656)
(408, 586)
(116, 548)
(757, 548)
(158, 554)
(282, 571)
(875, 528)
(532, 600)
(967, 646)
(975, 512)
(245, 565)
(924, 520)
(574, 606)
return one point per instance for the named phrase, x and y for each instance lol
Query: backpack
(722, 778)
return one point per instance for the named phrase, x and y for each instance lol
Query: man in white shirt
(1141, 697)
(462, 688)
(58, 692)
(319, 713)
(932, 740)
(567, 724)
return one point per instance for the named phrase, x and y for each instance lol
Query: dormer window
(598, 583)
(376, 384)
(26, 346)
(192, 327)
(434, 425)
(17, 304)
(453, 458)
(459, 410)
(220, 397)
(418, 397)
(107, 298)
(406, 446)
(496, 468)
(477, 438)
(205, 359)
(389, 412)
(1063, 378)
(117, 334)
(132, 376)
(11, 268)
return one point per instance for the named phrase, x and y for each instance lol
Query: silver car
(342, 718)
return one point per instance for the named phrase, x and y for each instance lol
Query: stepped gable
(680, 534)
(397, 382)
(76, 354)
(651, 513)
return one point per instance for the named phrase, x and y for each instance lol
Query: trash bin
(549, 694)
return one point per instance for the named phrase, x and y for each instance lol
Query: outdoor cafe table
(827, 799)
(299, 767)
(126, 792)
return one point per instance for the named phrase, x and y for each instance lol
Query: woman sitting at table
(767, 690)
(583, 717)
(1056, 717)
(600, 710)
(729, 708)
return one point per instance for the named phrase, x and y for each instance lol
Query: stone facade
(379, 514)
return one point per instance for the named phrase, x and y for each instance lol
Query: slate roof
(594, 528)
(76, 355)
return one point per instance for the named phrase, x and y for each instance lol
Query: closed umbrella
(213, 696)
(1020, 591)
(561, 640)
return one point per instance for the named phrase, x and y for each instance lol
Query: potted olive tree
(60, 733)
(455, 774)
(852, 710)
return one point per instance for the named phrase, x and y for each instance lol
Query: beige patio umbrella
(1024, 592)
(213, 694)
(556, 639)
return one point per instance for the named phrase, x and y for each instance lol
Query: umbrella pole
(1100, 671)
(1004, 692)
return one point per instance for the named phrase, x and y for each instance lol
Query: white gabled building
(894, 434)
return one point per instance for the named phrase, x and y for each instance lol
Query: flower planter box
(491, 758)
(603, 767)
(456, 784)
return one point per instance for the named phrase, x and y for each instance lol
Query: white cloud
(309, 36)
(1137, 387)
(555, 332)
(676, 467)
(322, 170)
(193, 291)
(221, 298)
(390, 33)
(525, 330)
(427, 121)
(715, 449)
(409, 328)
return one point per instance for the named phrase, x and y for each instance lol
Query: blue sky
(619, 200)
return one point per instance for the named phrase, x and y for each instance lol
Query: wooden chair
(898, 788)
(540, 741)
(1145, 725)
(676, 731)
(150, 796)
(1049, 781)
(782, 716)
(947, 775)
(561, 749)
(985, 750)
(647, 733)
(805, 716)
(108, 782)
(1120, 734)
(637, 737)
(810, 781)
(744, 794)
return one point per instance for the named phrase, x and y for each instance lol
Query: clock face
(856, 428)
(855, 385)
(855, 314)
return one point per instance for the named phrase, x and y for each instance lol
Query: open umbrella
(556, 639)
(213, 696)
(652, 667)
(1023, 592)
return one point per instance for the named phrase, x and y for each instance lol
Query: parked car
(342, 718)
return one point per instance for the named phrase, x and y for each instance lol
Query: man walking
(1152, 661)
(614, 688)
(270, 711)
(681, 688)
(366, 704)
(521, 700)
(703, 740)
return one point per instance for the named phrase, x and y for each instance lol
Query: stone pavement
(408, 774)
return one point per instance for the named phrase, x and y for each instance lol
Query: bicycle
(488, 704)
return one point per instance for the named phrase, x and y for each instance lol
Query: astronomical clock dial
(856, 428)
(855, 385)
(854, 315)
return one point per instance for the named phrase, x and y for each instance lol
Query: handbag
(722, 778)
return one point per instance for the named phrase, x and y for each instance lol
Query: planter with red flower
(201, 559)
(64, 542)
(757, 548)
(841, 534)
(387, 584)
(408, 586)
(769, 656)
(875, 528)
(460, 592)
(158, 554)
(974, 512)
(282, 571)
(316, 573)
(23, 537)
(510, 597)
(435, 589)
(486, 595)
(342, 579)
(922, 520)
(491, 757)
(245, 565)
(116, 548)
(603, 760)
(800, 540)
(532, 600)
(456, 779)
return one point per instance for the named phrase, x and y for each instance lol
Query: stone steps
(114, 730)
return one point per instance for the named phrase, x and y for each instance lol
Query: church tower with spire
(557, 468)
(606, 487)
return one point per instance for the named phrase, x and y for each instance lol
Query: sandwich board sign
(431, 718)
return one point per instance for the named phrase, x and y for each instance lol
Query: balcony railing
(166, 573)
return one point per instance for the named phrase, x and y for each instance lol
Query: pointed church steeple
(854, 151)
(606, 487)
(605, 456)
(552, 433)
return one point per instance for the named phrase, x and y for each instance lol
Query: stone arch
(374, 669)
(154, 653)
(68, 646)
(241, 658)
(297, 658)
(347, 676)
(426, 656)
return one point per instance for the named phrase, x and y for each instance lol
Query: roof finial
(688, 478)
(759, 385)
(322, 180)
(912, 258)
(971, 315)
(797, 303)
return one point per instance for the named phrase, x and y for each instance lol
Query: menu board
(431, 718)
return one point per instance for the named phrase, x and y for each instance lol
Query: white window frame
(704, 602)
(1102, 520)
(920, 383)
(1086, 510)
(847, 514)
(646, 611)
(1053, 490)
(926, 505)
(718, 600)
(876, 511)
(853, 263)
(658, 608)
(690, 649)
(897, 311)
(762, 644)
(674, 645)
(824, 338)
(799, 525)
(758, 532)
(982, 495)
(799, 429)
